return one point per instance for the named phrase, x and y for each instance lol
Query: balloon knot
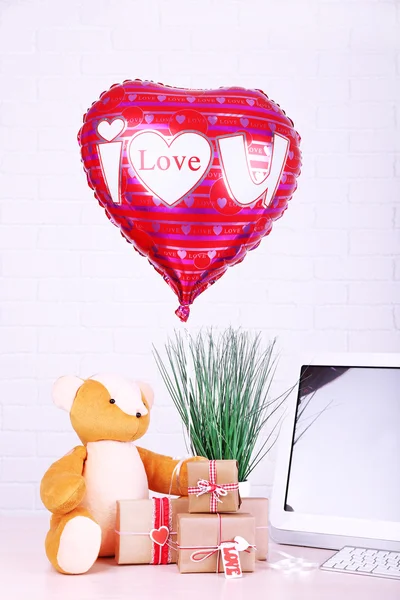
(183, 312)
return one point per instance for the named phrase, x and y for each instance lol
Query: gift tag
(160, 536)
(231, 560)
(241, 543)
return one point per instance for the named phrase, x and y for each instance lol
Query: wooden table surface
(25, 574)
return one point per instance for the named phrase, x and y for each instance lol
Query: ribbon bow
(216, 490)
(206, 487)
(240, 544)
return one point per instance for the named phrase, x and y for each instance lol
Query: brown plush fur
(94, 419)
(57, 525)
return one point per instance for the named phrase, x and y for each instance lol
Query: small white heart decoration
(110, 131)
(241, 544)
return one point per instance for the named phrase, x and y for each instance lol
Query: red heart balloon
(160, 536)
(193, 178)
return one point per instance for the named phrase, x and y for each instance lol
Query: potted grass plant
(221, 387)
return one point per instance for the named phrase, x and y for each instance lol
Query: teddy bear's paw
(79, 545)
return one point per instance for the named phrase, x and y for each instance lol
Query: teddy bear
(108, 413)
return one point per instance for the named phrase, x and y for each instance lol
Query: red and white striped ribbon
(212, 487)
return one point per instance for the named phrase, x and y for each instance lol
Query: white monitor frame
(316, 530)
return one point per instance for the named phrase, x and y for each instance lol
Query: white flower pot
(245, 489)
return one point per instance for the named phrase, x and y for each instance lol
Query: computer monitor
(337, 476)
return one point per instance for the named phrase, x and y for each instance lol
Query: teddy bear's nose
(138, 414)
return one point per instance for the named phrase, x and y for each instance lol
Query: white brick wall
(76, 298)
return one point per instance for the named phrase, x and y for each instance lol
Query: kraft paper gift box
(141, 530)
(199, 536)
(213, 486)
(258, 507)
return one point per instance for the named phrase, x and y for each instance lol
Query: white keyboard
(363, 561)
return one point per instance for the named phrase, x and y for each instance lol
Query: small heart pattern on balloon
(110, 129)
(194, 179)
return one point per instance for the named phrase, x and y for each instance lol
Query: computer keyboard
(363, 561)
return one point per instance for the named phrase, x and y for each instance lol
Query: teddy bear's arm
(160, 471)
(63, 487)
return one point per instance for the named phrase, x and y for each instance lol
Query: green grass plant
(220, 384)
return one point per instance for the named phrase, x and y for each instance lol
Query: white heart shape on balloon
(170, 167)
(241, 543)
(260, 176)
(110, 130)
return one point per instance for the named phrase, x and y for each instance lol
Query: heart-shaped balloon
(193, 178)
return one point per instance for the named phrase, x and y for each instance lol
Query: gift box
(213, 486)
(146, 530)
(258, 507)
(200, 537)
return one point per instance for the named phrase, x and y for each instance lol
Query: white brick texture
(76, 298)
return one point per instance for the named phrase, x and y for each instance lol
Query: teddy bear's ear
(147, 392)
(64, 391)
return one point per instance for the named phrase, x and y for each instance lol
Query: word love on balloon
(171, 167)
(193, 178)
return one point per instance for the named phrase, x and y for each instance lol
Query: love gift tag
(231, 560)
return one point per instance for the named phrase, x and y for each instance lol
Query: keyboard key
(365, 561)
(330, 563)
(368, 569)
(383, 571)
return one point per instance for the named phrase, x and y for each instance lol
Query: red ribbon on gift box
(212, 487)
(161, 533)
(203, 552)
(162, 521)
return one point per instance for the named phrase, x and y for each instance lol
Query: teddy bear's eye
(138, 414)
(112, 401)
